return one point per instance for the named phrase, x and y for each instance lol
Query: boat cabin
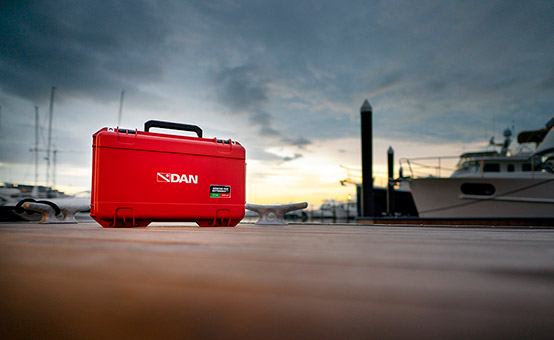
(493, 163)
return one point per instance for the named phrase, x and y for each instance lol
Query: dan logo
(165, 177)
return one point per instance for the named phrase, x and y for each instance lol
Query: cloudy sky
(284, 78)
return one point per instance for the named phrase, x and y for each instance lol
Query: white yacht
(493, 184)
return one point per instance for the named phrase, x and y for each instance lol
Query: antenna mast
(55, 152)
(36, 146)
(48, 149)
(120, 107)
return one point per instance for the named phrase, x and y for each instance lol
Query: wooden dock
(482, 222)
(312, 281)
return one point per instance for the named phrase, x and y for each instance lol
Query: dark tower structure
(366, 112)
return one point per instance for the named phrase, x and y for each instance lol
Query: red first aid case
(140, 177)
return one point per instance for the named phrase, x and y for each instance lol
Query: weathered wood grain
(279, 282)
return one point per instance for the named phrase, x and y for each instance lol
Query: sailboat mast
(36, 145)
(55, 152)
(48, 149)
(120, 107)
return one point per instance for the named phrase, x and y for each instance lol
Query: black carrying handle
(175, 126)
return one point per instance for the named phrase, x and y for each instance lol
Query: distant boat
(491, 184)
(331, 209)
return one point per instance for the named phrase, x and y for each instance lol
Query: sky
(284, 78)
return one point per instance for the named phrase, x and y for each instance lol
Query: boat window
(475, 166)
(466, 165)
(529, 167)
(463, 162)
(511, 168)
(484, 189)
(491, 167)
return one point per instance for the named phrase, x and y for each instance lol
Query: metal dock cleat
(274, 214)
(61, 211)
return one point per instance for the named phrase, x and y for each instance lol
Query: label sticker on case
(220, 191)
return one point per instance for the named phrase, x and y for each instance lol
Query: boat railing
(437, 166)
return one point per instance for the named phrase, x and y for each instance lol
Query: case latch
(124, 217)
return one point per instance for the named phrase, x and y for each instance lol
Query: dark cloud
(300, 142)
(291, 158)
(389, 80)
(89, 48)
(462, 58)
(292, 71)
(245, 90)
(547, 82)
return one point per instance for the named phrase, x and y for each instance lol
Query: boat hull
(510, 197)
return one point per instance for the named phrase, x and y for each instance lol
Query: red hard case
(140, 177)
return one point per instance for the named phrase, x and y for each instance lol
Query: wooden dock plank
(296, 281)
